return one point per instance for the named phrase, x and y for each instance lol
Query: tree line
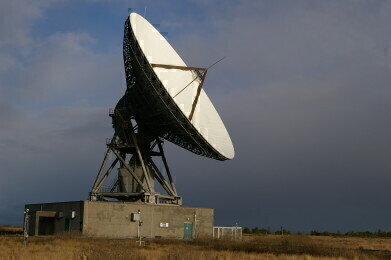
(264, 231)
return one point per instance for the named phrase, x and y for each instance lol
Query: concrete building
(120, 219)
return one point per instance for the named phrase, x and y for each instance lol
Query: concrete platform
(120, 219)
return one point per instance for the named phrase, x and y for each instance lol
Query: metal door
(187, 230)
(46, 226)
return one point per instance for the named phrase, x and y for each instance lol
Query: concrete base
(120, 219)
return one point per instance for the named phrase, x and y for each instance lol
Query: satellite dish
(164, 100)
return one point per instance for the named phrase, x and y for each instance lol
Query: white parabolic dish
(206, 120)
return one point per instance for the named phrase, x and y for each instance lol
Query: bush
(256, 230)
(284, 231)
(246, 230)
(379, 233)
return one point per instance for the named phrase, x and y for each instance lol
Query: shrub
(284, 231)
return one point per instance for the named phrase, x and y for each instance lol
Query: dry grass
(331, 242)
(74, 246)
(10, 230)
(383, 244)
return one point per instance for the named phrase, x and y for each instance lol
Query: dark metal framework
(133, 150)
(143, 116)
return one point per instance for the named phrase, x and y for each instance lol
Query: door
(187, 230)
(46, 226)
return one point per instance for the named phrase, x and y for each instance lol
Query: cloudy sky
(305, 92)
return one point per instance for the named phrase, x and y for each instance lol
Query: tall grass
(75, 246)
(10, 230)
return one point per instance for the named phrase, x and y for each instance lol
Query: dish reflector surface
(206, 121)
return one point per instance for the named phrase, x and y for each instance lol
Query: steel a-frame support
(136, 162)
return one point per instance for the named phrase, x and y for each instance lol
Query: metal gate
(227, 232)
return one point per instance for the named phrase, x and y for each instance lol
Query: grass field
(10, 230)
(74, 246)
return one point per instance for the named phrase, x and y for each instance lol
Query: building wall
(59, 212)
(113, 219)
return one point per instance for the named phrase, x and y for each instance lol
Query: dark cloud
(305, 94)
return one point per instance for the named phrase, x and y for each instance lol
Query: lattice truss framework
(144, 116)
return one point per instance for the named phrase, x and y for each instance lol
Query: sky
(305, 93)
